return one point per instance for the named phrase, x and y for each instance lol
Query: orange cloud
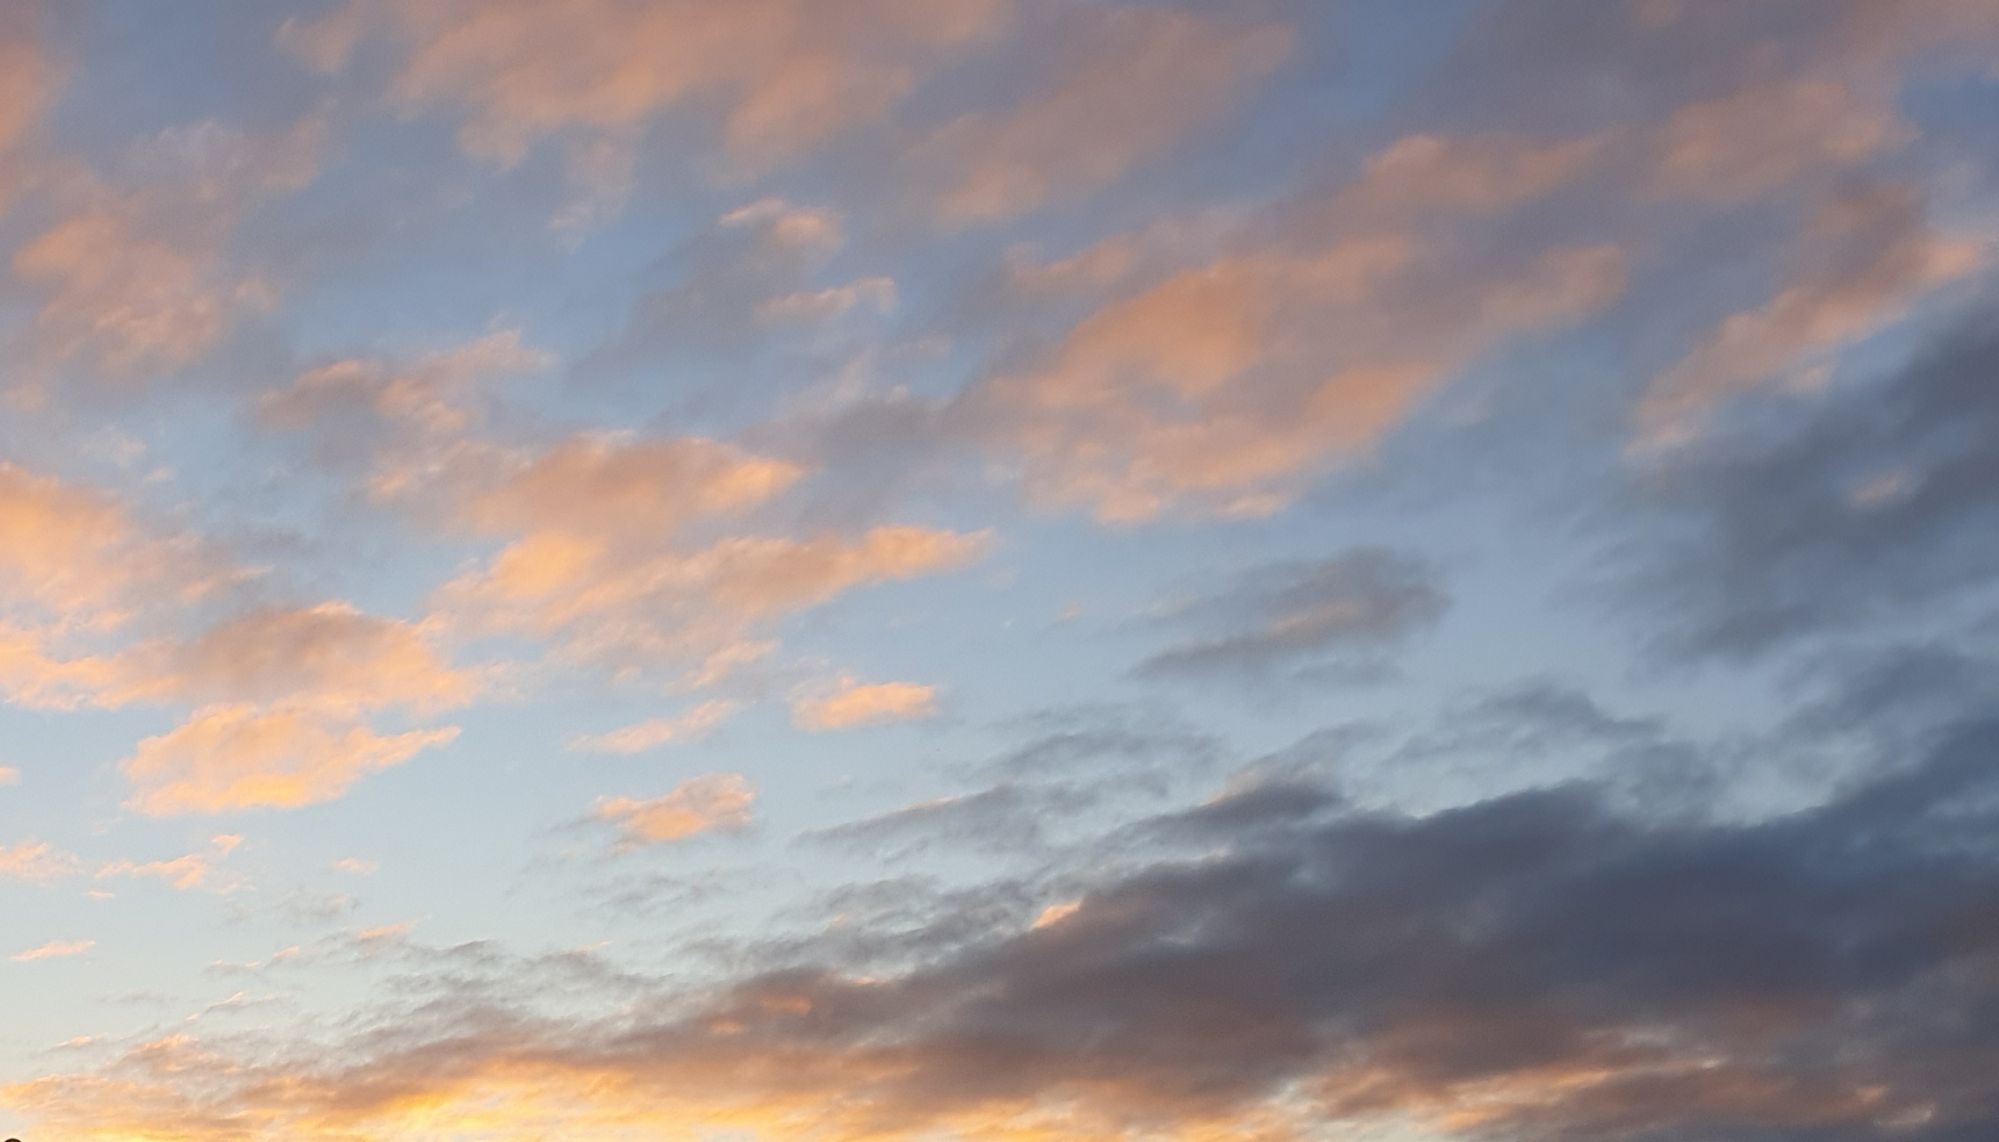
(628, 491)
(330, 656)
(1869, 258)
(1221, 388)
(1760, 138)
(225, 758)
(654, 732)
(786, 74)
(76, 554)
(29, 78)
(698, 805)
(183, 873)
(137, 282)
(55, 949)
(1147, 78)
(36, 860)
(600, 569)
(863, 704)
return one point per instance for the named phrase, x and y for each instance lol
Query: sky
(928, 570)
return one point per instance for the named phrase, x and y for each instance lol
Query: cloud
(1360, 603)
(654, 732)
(55, 949)
(95, 609)
(784, 224)
(232, 757)
(29, 77)
(404, 418)
(612, 489)
(76, 568)
(612, 589)
(865, 703)
(74, 553)
(1010, 819)
(1137, 81)
(1477, 174)
(717, 801)
(330, 656)
(1755, 140)
(138, 282)
(1532, 964)
(1872, 503)
(183, 873)
(1224, 384)
(785, 75)
(1870, 258)
(36, 861)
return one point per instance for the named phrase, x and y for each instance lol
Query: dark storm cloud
(1881, 502)
(1342, 611)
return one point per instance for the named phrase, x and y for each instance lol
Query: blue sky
(1014, 569)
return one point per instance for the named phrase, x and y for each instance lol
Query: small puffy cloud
(36, 861)
(232, 757)
(183, 873)
(356, 866)
(717, 801)
(9, 775)
(55, 949)
(653, 732)
(864, 704)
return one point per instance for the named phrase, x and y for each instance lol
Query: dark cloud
(1345, 611)
(1539, 965)
(1878, 503)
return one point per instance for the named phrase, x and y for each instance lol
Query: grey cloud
(1350, 608)
(1573, 971)
(1879, 503)
(1003, 818)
